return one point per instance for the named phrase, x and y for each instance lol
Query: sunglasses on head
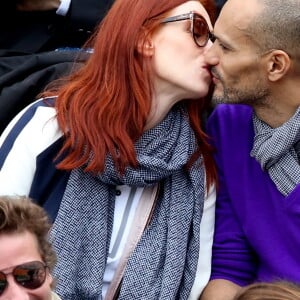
(199, 27)
(30, 275)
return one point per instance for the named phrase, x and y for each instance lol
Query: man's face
(237, 65)
(17, 249)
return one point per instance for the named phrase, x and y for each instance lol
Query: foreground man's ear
(278, 64)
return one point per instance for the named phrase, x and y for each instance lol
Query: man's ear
(278, 64)
(145, 45)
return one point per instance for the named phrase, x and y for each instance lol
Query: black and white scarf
(276, 149)
(163, 265)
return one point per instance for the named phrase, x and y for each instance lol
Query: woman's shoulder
(29, 134)
(36, 126)
(42, 109)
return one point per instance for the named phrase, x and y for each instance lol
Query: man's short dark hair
(277, 26)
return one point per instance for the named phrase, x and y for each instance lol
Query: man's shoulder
(235, 111)
(230, 117)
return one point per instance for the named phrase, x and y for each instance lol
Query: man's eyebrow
(221, 40)
(216, 37)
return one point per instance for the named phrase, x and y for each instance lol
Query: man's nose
(14, 291)
(210, 55)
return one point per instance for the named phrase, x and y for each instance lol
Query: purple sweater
(257, 234)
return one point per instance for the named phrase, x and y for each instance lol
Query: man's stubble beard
(253, 97)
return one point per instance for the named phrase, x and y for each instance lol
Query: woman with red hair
(117, 156)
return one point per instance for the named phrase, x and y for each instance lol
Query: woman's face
(17, 249)
(179, 66)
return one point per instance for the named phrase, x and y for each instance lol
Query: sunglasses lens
(3, 282)
(200, 31)
(30, 275)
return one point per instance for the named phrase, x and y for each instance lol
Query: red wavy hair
(104, 105)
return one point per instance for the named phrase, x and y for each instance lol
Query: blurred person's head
(26, 256)
(270, 291)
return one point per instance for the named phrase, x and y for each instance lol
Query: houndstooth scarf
(163, 265)
(276, 151)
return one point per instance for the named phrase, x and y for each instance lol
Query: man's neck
(281, 104)
(275, 115)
